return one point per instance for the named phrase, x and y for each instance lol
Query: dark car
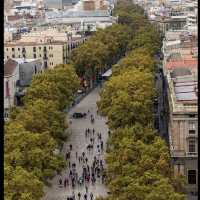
(79, 115)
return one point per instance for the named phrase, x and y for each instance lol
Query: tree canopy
(138, 160)
(35, 131)
(127, 98)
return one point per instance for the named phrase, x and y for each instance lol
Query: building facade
(183, 126)
(11, 78)
(51, 53)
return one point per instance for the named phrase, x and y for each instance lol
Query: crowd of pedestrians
(90, 162)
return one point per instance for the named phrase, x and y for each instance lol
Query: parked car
(78, 115)
(80, 91)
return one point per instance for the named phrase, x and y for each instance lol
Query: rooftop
(185, 87)
(183, 92)
(184, 62)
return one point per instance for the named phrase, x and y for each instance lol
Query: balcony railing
(191, 154)
(182, 153)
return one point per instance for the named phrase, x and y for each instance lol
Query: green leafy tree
(32, 151)
(42, 116)
(139, 58)
(125, 101)
(21, 184)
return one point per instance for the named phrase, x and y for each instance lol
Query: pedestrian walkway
(79, 140)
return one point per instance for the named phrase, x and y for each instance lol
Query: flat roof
(188, 96)
(185, 88)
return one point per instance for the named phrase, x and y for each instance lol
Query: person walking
(101, 145)
(91, 196)
(70, 146)
(85, 197)
(65, 182)
(73, 196)
(60, 181)
(86, 188)
(79, 196)
(66, 156)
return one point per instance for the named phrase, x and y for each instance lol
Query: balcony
(45, 58)
(183, 154)
(192, 136)
(191, 154)
(177, 153)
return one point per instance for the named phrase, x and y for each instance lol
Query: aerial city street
(85, 174)
(100, 99)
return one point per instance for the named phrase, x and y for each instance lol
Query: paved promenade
(79, 143)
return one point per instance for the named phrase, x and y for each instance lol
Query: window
(191, 176)
(34, 49)
(18, 49)
(35, 69)
(7, 57)
(39, 48)
(40, 55)
(192, 128)
(191, 115)
(7, 89)
(13, 56)
(192, 145)
(13, 49)
(6, 49)
(19, 56)
(34, 55)
(191, 125)
(191, 132)
(49, 48)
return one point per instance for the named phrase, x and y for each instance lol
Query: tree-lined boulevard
(136, 165)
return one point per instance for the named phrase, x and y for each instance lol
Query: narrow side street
(79, 144)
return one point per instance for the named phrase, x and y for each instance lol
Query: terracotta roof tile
(184, 63)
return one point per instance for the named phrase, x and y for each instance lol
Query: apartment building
(179, 50)
(180, 63)
(18, 74)
(183, 125)
(52, 49)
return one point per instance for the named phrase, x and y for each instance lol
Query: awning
(107, 73)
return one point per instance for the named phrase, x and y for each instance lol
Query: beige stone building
(183, 125)
(51, 51)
